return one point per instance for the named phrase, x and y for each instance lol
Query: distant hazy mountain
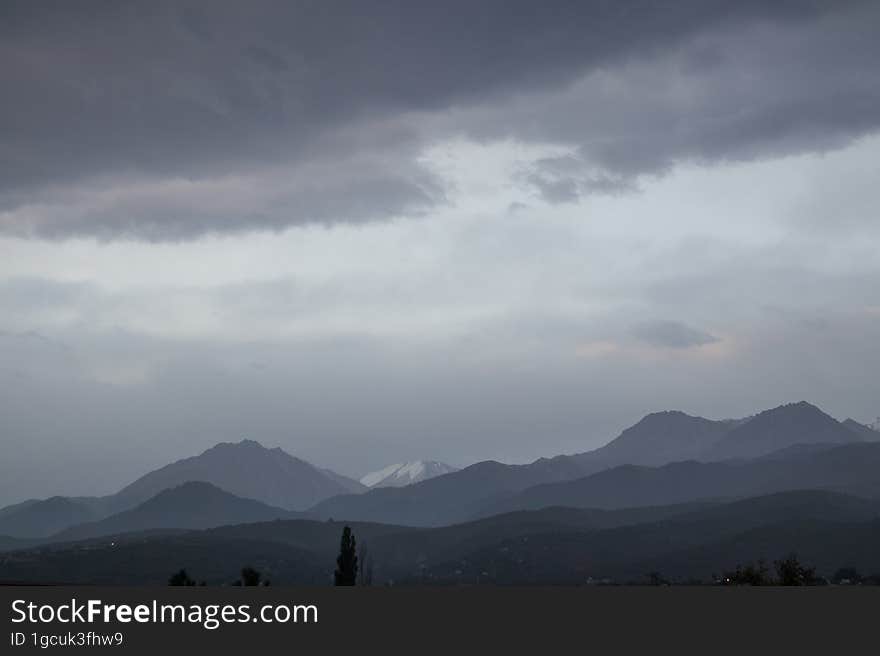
(246, 469)
(191, 505)
(849, 468)
(406, 473)
(660, 438)
(771, 430)
(865, 432)
(38, 519)
(674, 436)
(657, 439)
(16, 507)
(448, 498)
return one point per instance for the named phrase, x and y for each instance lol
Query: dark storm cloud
(97, 91)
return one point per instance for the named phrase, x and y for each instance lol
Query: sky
(371, 232)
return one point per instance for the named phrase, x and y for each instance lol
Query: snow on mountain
(406, 473)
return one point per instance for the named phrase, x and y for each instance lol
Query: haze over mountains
(659, 438)
(39, 519)
(771, 430)
(808, 467)
(245, 469)
(192, 505)
(851, 468)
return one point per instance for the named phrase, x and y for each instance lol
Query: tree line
(348, 570)
(354, 566)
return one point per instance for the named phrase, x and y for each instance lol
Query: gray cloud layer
(318, 112)
(673, 334)
(623, 209)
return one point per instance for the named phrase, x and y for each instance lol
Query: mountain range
(192, 505)
(851, 468)
(245, 469)
(658, 439)
(667, 458)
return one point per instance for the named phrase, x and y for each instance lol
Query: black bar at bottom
(457, 620)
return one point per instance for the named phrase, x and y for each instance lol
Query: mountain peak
(661, 437)
(797, 405)
(191, 487)
(400, 474)
(660, 415)
(246, 469)
(190, 505)
(798, 409)
(780, 427)
(244, 443)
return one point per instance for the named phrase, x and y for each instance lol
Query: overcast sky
(372, 232)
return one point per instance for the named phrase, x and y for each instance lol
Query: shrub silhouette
(789, 571)
(656, 578)
(181, 578)
(250, 577)
(750, 574)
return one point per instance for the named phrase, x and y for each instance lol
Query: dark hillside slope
(851, 468)
(192, 505)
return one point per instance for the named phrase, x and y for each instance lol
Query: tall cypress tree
(347, 562)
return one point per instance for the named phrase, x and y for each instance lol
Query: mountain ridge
(244, 469)
(191, 505)
(849, 468)
(657, 439)
(272, 476)
(777, 428)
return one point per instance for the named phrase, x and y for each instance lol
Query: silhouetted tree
(181, 578)
(750, 574)
(789, 571)
(250, 576)
(656, 578)
(347, 562)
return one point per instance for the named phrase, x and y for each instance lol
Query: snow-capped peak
(401, 474)
(375, 477)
